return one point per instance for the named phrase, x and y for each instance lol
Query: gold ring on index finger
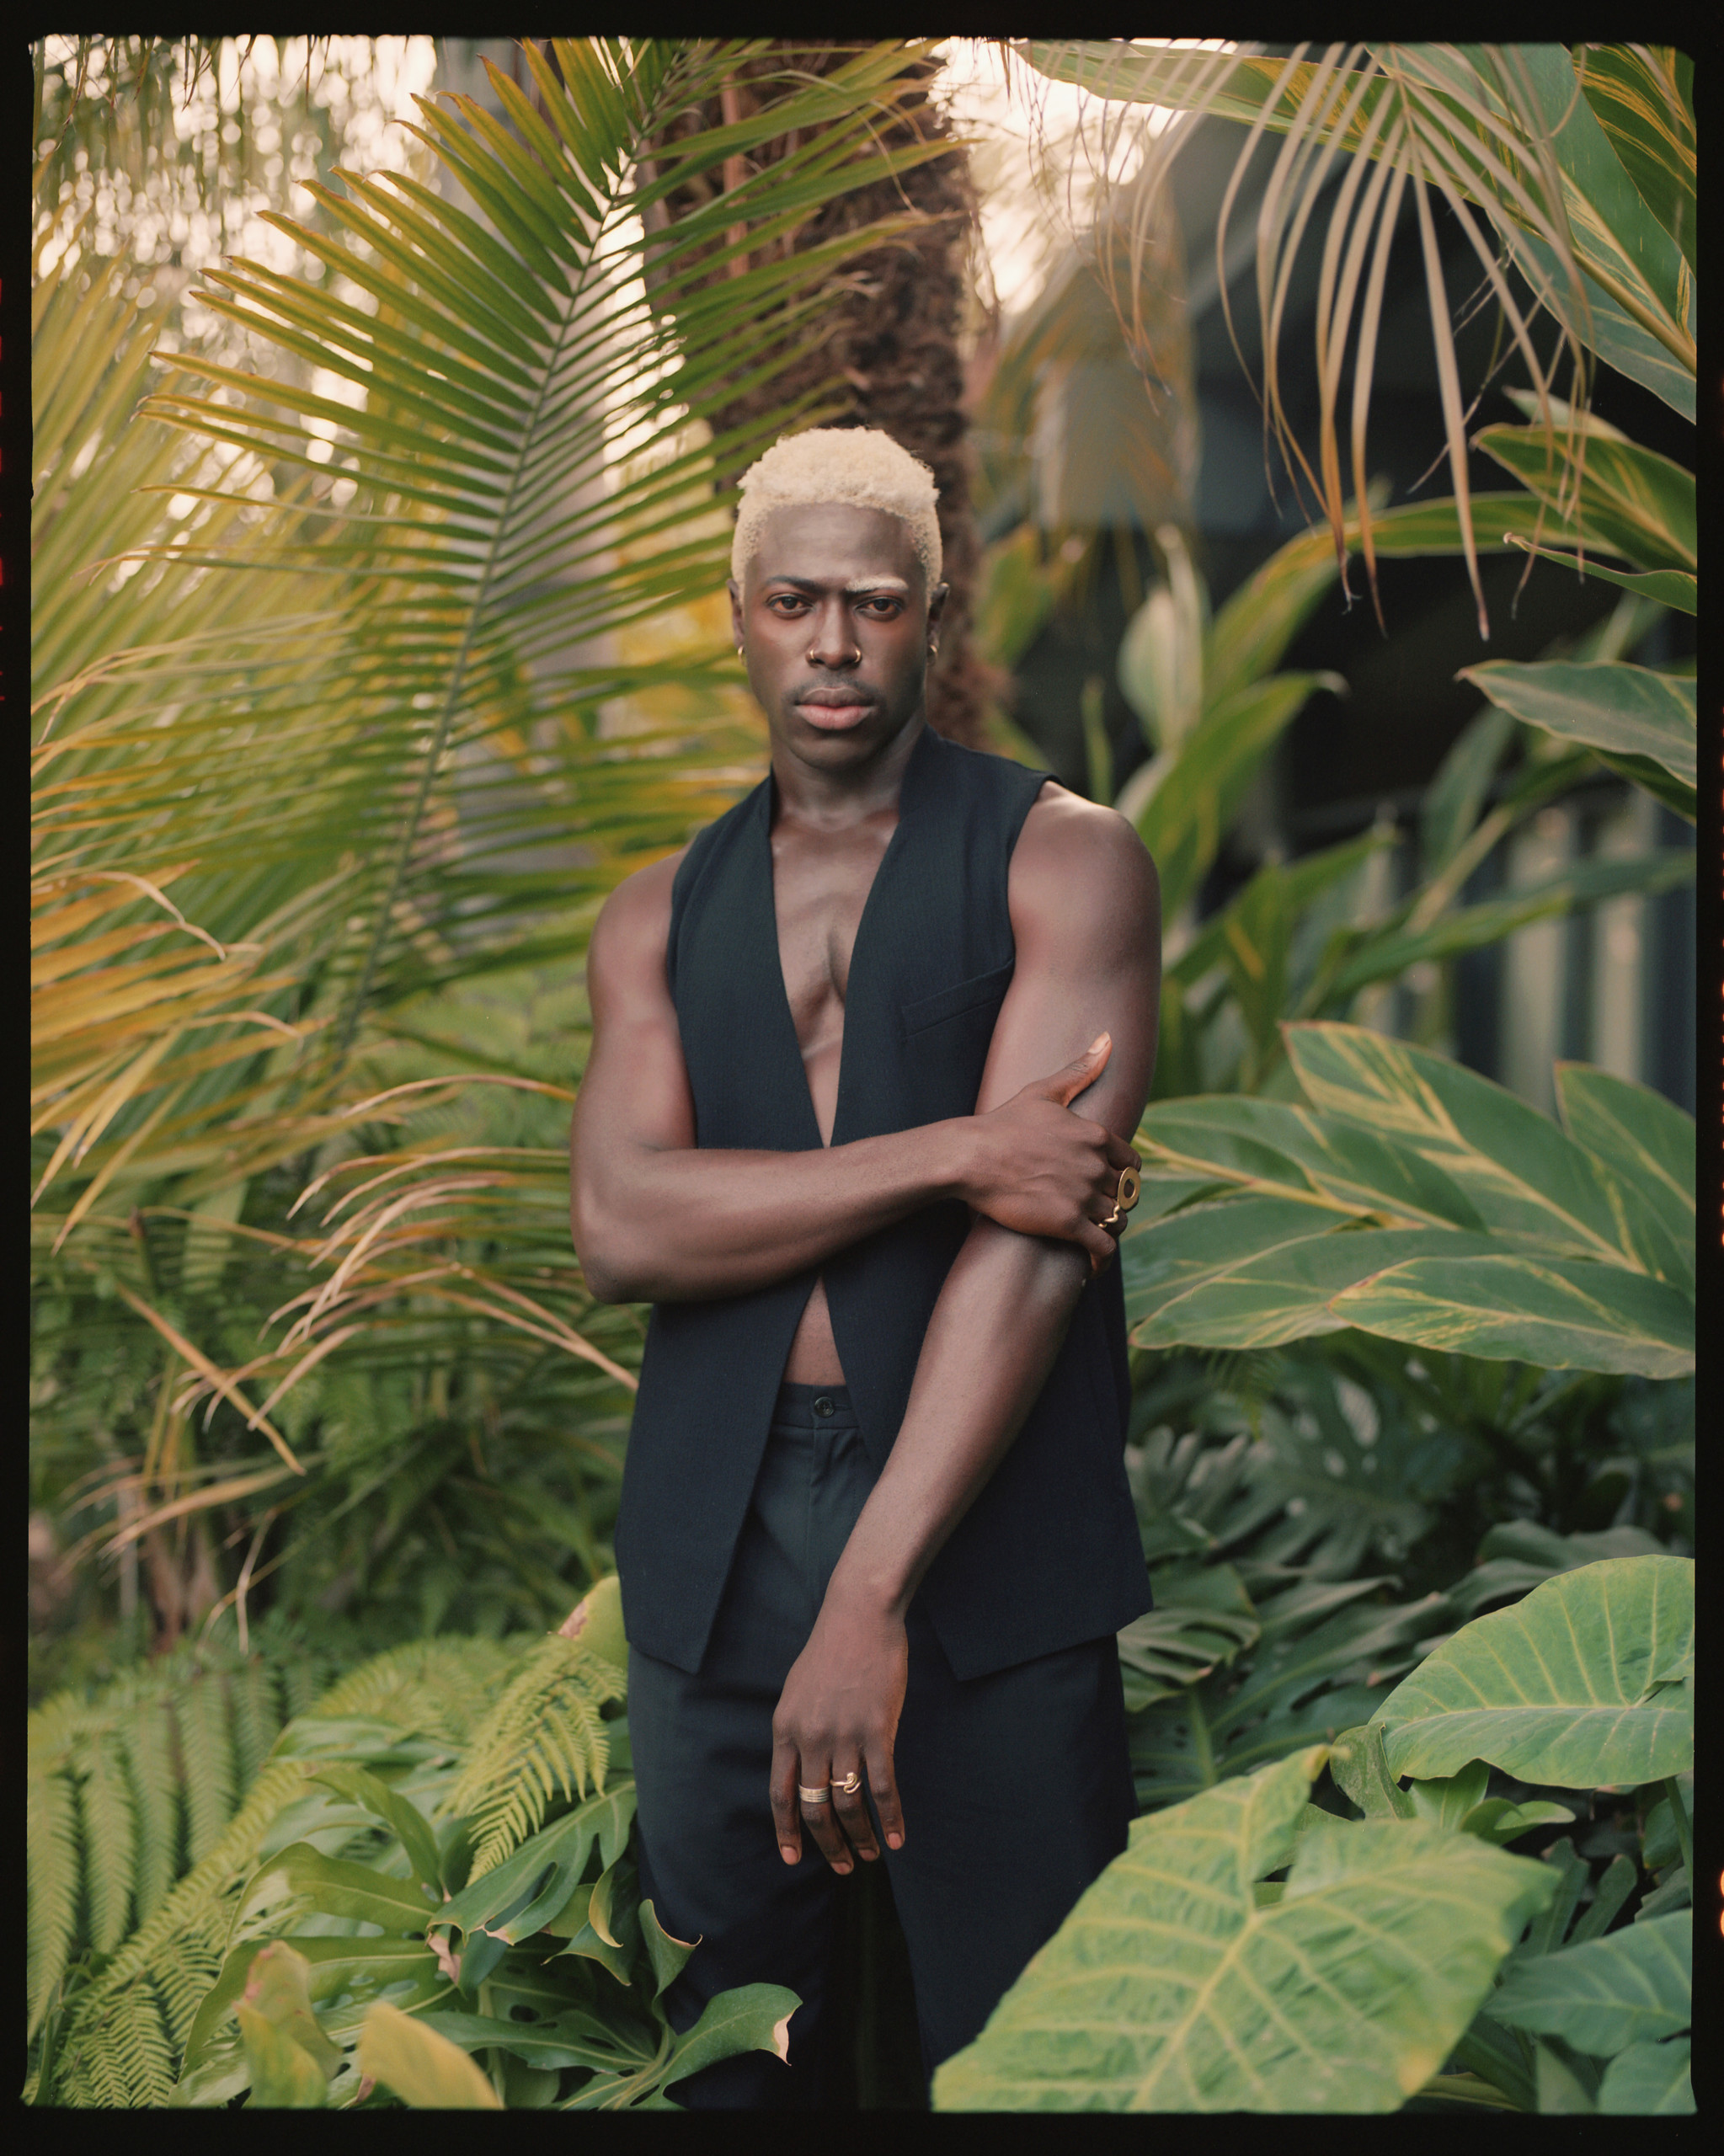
(1130, 1186)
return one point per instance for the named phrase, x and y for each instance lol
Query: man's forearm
(995, 1330)
(684, 1224)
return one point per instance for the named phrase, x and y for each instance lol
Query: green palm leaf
(1505, 137)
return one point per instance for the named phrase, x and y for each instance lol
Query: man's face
(836, 619)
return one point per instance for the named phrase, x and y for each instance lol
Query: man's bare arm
(1086, 910)
(657, 1218)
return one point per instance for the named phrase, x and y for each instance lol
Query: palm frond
(1505, 137)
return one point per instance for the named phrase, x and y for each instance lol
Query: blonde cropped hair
(838, 464)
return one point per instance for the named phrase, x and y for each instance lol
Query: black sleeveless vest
(1050, 1554)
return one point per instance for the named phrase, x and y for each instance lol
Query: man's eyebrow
(895, 585)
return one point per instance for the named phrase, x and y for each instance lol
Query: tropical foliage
(383, 1907)
(1254, 1951)
(376, 649)
(375, 634)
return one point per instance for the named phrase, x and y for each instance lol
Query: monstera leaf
(1176, 1985)
(1588, 1681)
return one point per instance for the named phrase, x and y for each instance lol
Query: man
(875, 1537)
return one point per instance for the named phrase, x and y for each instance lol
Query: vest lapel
(753, 978)
(867, 999)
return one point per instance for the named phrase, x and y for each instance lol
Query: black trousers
(1016, 1787)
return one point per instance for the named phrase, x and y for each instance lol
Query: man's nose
(833, 642)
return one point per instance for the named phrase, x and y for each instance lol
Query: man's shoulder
(1064, 834)
(636, 914)
(1081, 865)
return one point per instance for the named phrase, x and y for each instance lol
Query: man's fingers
(1065, 1085)
(852, 1806)
(821, 1825)
(882, 1786)
(786, 1820)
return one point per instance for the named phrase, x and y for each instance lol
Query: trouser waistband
(814, 1407)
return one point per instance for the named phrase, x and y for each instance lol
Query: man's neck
(836, 798)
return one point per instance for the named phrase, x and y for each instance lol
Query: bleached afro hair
(838, 464)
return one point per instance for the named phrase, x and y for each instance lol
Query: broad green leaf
(514, 1898)
(1678, 589)
(597, 1620)
(1648, 2081)
(1168, 1988)
(1274, 1146)
(1258, 1271)
(406, 1821)
(1453, 799)
(424, 2069)
(1389, 952)
(1618, 340)
(1202, 1617)
(751, 2018)
(1197, 790)
(1560, 1688)
(1448, 1799)
(336, 1967)
(301, 1882)
(1160, 662)
(283, 2077)
(1642, 96)
(1359, 1769)
(1499, 1822)
(1633, 502)
(1645, 1146)
(277, 1991)
(1562, 1313)
(563, 2038)
(1599, 1998)
(667, 1955)
(1525, 1177)
(1619, 243)
(1608, 704)
(1299, 883)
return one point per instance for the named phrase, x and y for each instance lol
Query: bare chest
(821, 886)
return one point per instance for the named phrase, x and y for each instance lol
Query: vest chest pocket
(981, 992)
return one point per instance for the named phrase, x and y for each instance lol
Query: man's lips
(833, 708)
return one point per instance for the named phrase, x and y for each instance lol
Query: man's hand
(838, 1716)
(1043, 1170)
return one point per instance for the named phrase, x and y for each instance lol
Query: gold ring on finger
(850, 1784)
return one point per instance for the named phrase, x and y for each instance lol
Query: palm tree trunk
(890, 356)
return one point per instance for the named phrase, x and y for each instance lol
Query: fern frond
(122, 2056)
(124, 2033)
(544, 1738)
(205, 1761)
(251, 1697)
(110, 1844)
(437, 1688)
(146, 1741)
(51, 1887)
